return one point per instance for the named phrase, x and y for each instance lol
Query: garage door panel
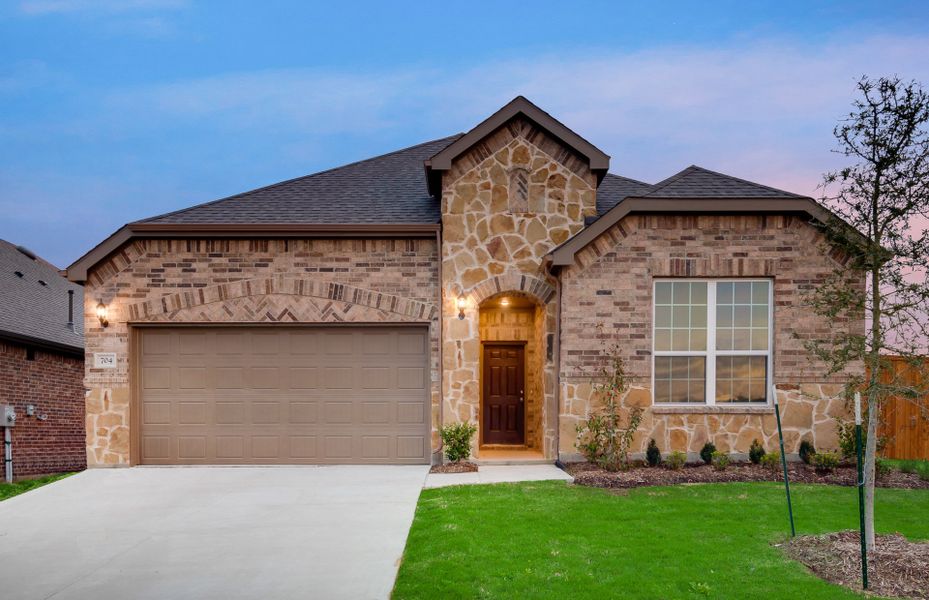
(291, 395)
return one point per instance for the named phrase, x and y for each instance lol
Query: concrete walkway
(224, 533)
(498, 474)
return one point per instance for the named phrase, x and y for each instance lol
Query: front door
(503, 410)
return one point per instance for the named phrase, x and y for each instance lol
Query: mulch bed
(459, 467)
(897, 568)
(593, 476)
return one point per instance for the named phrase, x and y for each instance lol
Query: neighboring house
(41, 364)
(342, 317)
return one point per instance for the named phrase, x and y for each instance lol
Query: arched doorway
(512, 338)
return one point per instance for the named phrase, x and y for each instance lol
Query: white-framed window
(712, 341)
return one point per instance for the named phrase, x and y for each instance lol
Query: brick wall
(246, 281)
(607, 298)
(53, 383)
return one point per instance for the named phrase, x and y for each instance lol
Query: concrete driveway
(210, 532)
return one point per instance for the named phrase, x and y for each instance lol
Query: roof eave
(564, 254)
(77, 272)
(34, 342)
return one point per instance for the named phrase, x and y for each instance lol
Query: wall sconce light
(505, 302)
(102, 314)
(462, 302)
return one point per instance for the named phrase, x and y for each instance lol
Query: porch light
(462, 302)
(101, 314)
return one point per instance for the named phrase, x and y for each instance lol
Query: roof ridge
(695, 168)
(452, 138)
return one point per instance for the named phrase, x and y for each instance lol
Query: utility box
(7, 416)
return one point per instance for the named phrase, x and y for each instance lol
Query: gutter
(40, 344)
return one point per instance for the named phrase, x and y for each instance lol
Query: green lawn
(552, 540)
(8, 490)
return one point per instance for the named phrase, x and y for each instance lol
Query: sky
(116, 110)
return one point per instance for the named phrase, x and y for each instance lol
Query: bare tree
(881, 201)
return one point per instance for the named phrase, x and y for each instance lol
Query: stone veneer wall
(494, 239)
(611, 285)
(246, 281)
(502, 324)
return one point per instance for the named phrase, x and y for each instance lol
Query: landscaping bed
(591, 475)
(897, 568)
(454, 467)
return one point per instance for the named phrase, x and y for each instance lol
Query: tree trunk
(870, 456)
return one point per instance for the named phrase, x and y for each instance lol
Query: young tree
(881, 203)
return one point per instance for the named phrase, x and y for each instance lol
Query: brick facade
(246, 281)
(607, 298)
(52, 383)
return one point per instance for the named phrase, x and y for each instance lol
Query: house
(343, 316)
(41, 364)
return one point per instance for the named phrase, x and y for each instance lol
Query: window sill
(712, 410)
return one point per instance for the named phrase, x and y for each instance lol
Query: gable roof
(614, 188)
(34, 303)
(693, 190)
(442, 161)
(390, 188)
(697, 182)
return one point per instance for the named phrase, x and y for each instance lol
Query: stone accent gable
(506, 203)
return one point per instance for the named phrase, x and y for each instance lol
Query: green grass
(552, 540)
(8, 490)
(910, 466)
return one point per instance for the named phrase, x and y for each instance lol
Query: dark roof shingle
(614, 188)
(697, 182)
(385, 189)
(37, 311)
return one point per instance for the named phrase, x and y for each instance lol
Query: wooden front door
(504, 407)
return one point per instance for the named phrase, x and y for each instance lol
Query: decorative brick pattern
(607, 298)
(246, 281)
(493, 243)
(53, 384)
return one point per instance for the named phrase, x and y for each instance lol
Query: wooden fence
(904, 425)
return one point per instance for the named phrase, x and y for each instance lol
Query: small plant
(676, 460)
(652, 454)
(457, 440)
(706, 453)
(756, 452)
(720, 460)
(825, 462)
(771, 460)
(602, 438)
(908, 466)
(882, 468)
(807, 450)
(847, 440)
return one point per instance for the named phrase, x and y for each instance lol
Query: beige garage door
(283, 395)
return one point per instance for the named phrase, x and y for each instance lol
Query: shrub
(847, 440)
(720, 460)
(756, 452)
(602, 438)
(652, 454)
(457, 440)
(676, 460)
(882, 468)
(825, 462)
(771, 461)
(807, 450)
(908, 466)
(706, 453)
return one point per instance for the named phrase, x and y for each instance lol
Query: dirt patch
(638, 476)
(458, 467)
(897, 568)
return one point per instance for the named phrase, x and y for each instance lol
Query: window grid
(711, 353)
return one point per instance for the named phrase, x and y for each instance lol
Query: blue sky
(114, 110)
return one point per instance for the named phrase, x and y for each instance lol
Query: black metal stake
(780, 435)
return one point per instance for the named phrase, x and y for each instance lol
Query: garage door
(283, 395)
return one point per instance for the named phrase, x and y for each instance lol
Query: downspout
(441, 308)
(8, 453)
